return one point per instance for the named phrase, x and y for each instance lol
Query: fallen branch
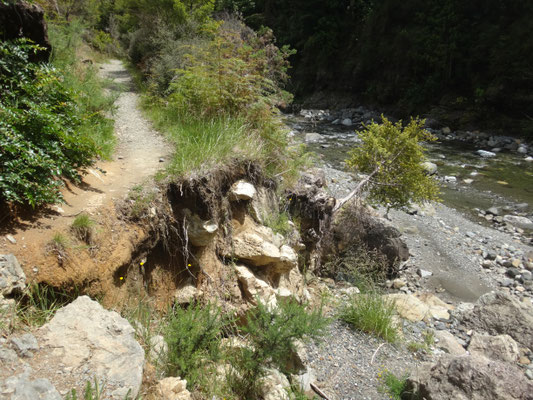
(376, 352)
(318, 391)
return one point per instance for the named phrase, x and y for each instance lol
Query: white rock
(519, 222)
(450, 179)
(485, 153)
(158, 347)
(468, 181)
(347, 122)
(21, 387)
(528, 159)
(313, 137)
(446, 130)
(429, 167)
(275, 386)
(500, 347)
(199, 232)
(447, 342)
(420, 306)
(242, 190)
(424, 273)
(173, 389)
(255, 287)
(185, 295)
(86, 336)
(11, 239)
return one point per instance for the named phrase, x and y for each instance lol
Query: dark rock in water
(470, 377)
(23, 19)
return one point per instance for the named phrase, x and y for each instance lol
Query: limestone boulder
(421, 306)
(499, 313)
(500, 347)
(200, 232)
(448, 343)
(275, 386)
(242, 190)
(470, 378)
(87, 338)
(173, 389)
(258, 246)
(254, 287)
(518, 221)
(12, 277)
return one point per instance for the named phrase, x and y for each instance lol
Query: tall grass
(371, 313)
(81, 78)
(203, 143)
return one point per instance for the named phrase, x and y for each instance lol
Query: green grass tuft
(82, 227)
(371, 313)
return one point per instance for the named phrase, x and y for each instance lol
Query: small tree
(392, 157)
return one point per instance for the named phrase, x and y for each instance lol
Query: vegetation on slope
(52, 121)
(471, 59)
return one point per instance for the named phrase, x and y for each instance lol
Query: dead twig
(319, 392)
(376, 352)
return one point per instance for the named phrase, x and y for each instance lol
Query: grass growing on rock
(392, 385)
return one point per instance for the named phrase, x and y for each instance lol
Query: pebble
(424, 273)
(398, 283)
(11, 239)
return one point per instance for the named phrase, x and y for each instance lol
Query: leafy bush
(49, 130)
(271, 333)
(193, 336)
(391, 156)
(371, 313)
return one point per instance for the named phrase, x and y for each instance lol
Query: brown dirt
(140, 153)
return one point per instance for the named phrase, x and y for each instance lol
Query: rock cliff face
(25, 20)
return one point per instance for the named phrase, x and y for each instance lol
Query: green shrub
(51, 125)
(371, 313)
(391, 156)
(193, 336)
(392, 385)
(271, 333)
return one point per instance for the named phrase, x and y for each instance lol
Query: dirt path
(139, 154)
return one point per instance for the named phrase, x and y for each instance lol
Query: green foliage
(82, 227)
(91, 392)
(141, 200)
(279, 221)
(371, 313)
(51, 125)
(425, 345)
(40, 302)
(193, 336)
(392, 385)
(391, 155)
(271, 333)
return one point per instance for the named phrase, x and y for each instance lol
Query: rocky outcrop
(242, 190)
(498, 313)
(258, 246)
(500, 347)
(12, 277)
(471, 377)
(100, 344)
(22, 19)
